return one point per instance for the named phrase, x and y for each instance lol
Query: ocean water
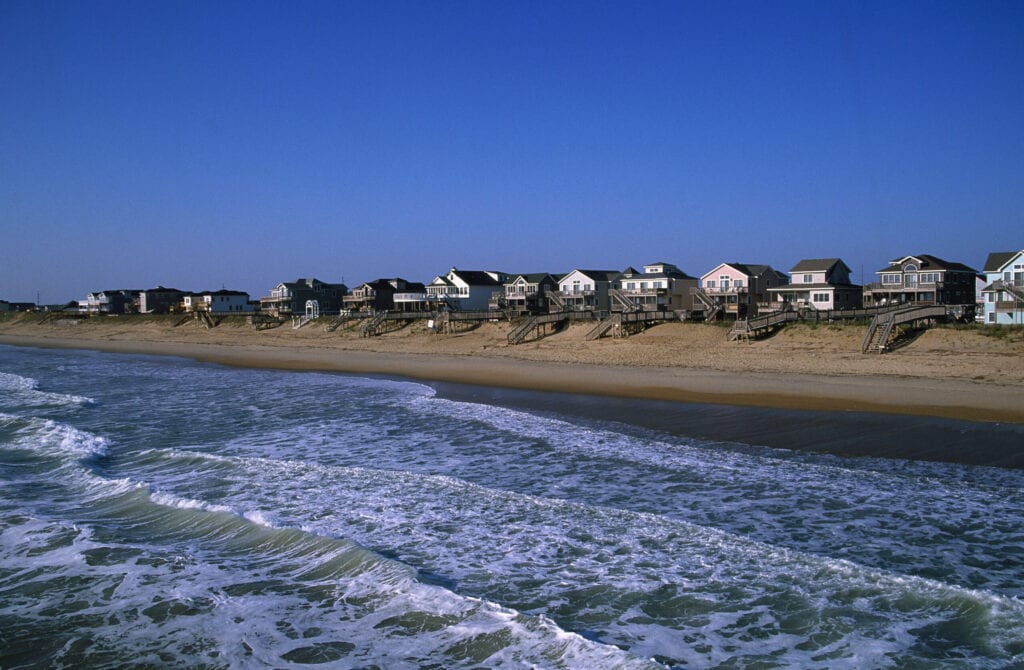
(166, 513)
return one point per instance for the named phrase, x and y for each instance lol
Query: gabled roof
(748, 269)
(817, 265)
(531, 278)
(596, 275)
(997, 260)
(476, 277)
(927, 262)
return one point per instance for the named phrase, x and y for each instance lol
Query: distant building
(160, 300)
(379, 294)
(290, 298)
(821, 284)
(108, 302)
(464, 290)
(217, 302)
(1003, 293)
(587, 290)
(922, 279)
(525, 293)
(738, 290)
(660, 287)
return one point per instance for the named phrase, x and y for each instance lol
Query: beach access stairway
(556, 301)
(760, 325)
(1015, 290)
(883, 327)
(612, 322)
(621, 300)
(535, 323)
(621, 324)
(711, 306)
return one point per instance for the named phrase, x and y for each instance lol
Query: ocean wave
(53, 438)
(22, 391)
(632, 574)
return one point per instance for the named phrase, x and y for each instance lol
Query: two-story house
(661, 287)
(922, 279)
(290, 298)
(108, 302)
(379, 295)
(525, 293)
(217, 302)
(738, 290)
(818, 283)
(584, 290)
(159, 300)
(464, 290)
(1004, 288)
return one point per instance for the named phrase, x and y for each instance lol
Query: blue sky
(209, 144)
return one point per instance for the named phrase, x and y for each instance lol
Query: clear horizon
(239, 145)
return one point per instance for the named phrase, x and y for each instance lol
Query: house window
(710, 283)
(821, 297)
(808, 279)
(737, 283)
(890, 279)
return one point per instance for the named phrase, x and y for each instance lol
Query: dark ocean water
(162, 512)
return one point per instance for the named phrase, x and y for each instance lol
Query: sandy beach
(962, 373)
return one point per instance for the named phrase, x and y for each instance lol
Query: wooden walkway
(885, 327)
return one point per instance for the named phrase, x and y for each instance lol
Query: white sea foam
(22, 391)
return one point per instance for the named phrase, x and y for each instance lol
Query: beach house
(379, 294)
(159, 300)
(659, 287)
(525, 293)
(291, 298)
(108, 302)
(922, 279)
(738, 290)
(1004, 288)
(217, 302)
(585, 290)
(464, 290)
(819, 284)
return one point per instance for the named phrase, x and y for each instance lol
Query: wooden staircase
(520, 332)
(882, 329)
(621, 300)
(711, 307)
(603, 326)
(556, 301)
(761, 325)
(373, 326)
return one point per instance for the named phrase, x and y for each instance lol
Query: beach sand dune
(957, 372)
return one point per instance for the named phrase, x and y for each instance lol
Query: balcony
(725, 290)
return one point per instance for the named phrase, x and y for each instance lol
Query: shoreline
(916, 396)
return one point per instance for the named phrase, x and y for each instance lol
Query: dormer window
(910, 267)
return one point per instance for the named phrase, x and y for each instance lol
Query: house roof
(596, 275)
(476, 277)
(817, 265)
(532, 277)
(928, 262)
(222, 291)
(997, 260)
(819, 286)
